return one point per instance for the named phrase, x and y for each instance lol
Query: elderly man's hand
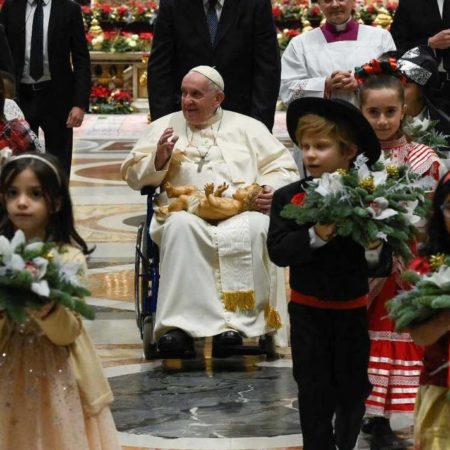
(165, 147)
(440, 40)
(264, 199)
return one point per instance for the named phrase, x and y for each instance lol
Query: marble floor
(243, 402)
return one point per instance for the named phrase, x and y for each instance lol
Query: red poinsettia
(292, 32)
(298, 199)
(122, 10)
(105, 8)
(146, 36)
(100, 92)
(276, 12)
(120, 96)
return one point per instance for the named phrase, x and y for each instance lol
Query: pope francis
(216, 277)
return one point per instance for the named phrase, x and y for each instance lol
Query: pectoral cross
(201, 162)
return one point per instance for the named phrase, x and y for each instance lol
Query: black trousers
(42, 110)
(330, 353)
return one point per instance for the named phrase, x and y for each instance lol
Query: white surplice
(200, 261)
(309, 59)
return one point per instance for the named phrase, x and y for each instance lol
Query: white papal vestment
(200, 261)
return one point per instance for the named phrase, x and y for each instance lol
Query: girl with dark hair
(15, 133)
(432, 424)
(395, 361)
(49, 368)
(54, 187)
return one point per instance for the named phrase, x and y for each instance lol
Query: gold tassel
(273, 319)
(242, 300)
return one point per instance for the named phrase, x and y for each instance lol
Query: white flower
(41, 288)
(421, 125)
(427, 183)
(329, 184)
(41, 265)
(360, 160)
(440, 278)
(18, 239)
(379, 209)
(379, 177)
(34, 246)
(68, 270)
(16, 263)
(381, 236)
(410, 208)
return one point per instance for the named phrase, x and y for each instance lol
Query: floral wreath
(377, 67)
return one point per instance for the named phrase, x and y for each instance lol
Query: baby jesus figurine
(210, 204)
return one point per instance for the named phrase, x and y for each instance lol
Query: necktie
(446, 22)
(211, 19)
(37, 43)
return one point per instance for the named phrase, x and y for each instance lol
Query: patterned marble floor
(238, 403)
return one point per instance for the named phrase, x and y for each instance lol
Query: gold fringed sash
(273, 319)
(240, 300)
(236, 265)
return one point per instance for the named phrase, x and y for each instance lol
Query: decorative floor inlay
(207, 398)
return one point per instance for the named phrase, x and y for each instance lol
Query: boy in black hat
(328, 279)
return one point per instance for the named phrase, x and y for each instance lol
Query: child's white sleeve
(373, 256)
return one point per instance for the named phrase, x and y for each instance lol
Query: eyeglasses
(445, 208)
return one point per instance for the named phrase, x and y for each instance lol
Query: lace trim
(300, 91)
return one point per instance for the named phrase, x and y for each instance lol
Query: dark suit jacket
(6, 62)
(414, 22)
(67, 46)
(245, 53)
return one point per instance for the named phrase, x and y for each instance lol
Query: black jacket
(245, 53)
(6, 62)
(414, 22)
(69, 60)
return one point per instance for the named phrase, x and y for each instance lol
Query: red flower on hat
(298, 199)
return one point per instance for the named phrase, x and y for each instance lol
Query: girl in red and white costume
(395, 361)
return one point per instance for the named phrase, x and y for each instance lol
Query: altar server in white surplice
(319, 63)
(216, 278)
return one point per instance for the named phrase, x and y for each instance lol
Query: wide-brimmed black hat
(338, 111)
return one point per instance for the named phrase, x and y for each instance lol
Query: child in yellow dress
(53, 393)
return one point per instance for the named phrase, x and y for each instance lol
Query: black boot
(383, 438)
(367, 424)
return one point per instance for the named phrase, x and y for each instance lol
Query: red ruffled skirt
(395, 360)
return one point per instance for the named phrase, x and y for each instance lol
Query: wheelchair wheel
(150, 348)
(141, 275)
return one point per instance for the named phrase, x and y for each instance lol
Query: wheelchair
(146, 282)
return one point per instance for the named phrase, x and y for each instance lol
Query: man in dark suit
(237, 37)
(6, 63)
(425, 22)
(52, 68)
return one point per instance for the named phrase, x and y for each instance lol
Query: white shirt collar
(219, 2)
(32, 2)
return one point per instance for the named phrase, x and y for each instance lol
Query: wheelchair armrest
(149, 190)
